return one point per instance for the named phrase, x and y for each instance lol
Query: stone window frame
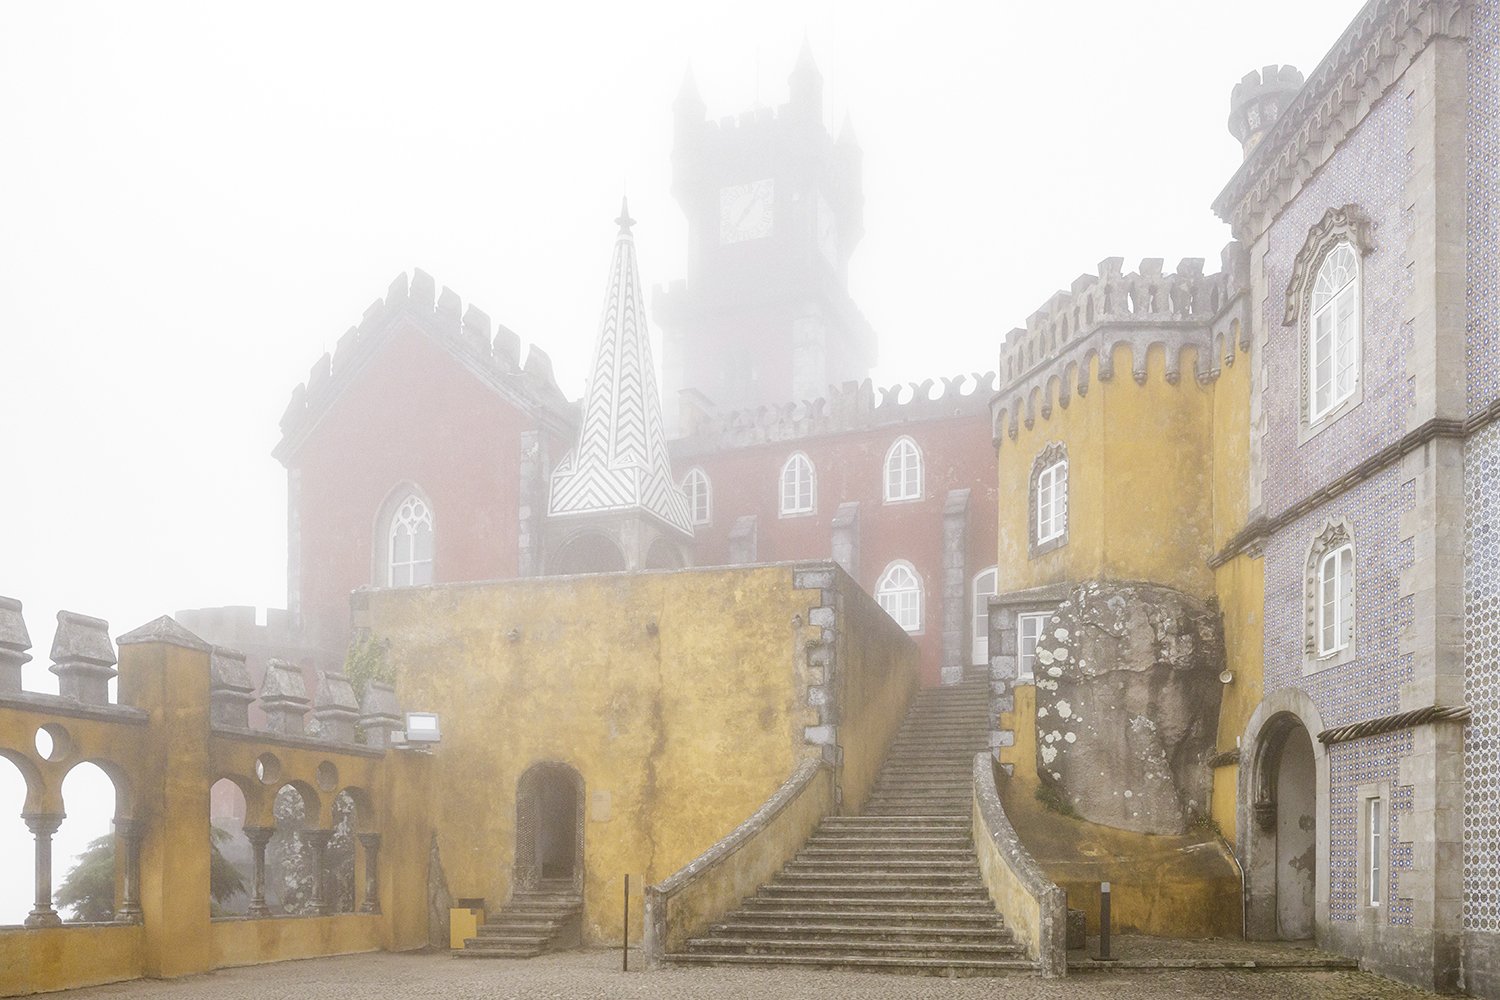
(690, 490)
(1345, 224)
(812, 487)
(980, 618)
(1024, 676)
(383, 534)
(899, 448)
(1363, 794)
(1334, 535)
(883, 588)
(1054, 454)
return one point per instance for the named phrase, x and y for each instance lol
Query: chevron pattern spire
(620, 462)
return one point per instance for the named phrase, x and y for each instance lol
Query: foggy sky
(197, 200)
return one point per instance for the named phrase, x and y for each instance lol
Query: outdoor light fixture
(1226, 677)
(422, 727)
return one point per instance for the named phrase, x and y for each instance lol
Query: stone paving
(587, 975)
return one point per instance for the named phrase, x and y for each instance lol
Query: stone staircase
(546, 918)
(896, 888)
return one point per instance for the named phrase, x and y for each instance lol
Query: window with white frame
(1052, 502)
(798, 491)
(409, 551)
(1333, 332)
(984, 589)
(695, 488)
(903, 471)
(1375, 825)
(900, 593)
(1335, 599)
(1028, 631)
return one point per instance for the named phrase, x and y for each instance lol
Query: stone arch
(1282, 832)
(663, 555)
(588, 552)
(549, 826)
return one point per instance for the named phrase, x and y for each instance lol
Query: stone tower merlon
(1258, 101)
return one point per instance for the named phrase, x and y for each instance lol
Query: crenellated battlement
(1191, 316)
(465, 332)
(847, 407)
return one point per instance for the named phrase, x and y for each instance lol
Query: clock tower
(775, 207)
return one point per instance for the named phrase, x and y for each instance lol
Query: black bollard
(1104, 955)
(625, 948)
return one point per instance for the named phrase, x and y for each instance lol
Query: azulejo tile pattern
(1369, 171)
(1350, 765)
(1482, 680)
(1484, 205)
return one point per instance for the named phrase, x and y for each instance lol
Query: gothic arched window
(1333, 332)
(695, 488)
(798, 489)
(1049, 499)
(900, 593)
(903, 471)
(409, 544)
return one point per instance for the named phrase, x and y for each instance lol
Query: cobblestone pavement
(596, 974)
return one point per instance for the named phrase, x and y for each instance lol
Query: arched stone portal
(549, 826)
(1280, 834)
(588, 552)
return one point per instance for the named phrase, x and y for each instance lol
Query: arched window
(903, 471)
(1333, 332)
(1330, 596)
(900, 593)
(410, 544)
(1049, 499)
(798, 490)
(695, 487)
(984, 588)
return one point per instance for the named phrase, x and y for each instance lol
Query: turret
(1258, 101)
(806, 84)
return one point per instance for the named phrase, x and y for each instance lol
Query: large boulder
(1127, 695)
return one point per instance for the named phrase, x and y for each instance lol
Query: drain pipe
(1244, 889)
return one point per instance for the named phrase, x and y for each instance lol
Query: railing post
(371, 843)
(43, 826)
(259, 837)
(1104, 921)
(625, 946)
(128, 852)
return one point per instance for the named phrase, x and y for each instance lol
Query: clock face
(745, 211)
(828, 231)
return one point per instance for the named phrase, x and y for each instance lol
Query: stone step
(516, 939)
(878, 881)
(850, 946)
(876, 913)
(855, 930)
(887, 851)
(880, 824)
(497, 952)
(966, 967)
(903, 865)
(877, 890)
(945, 904)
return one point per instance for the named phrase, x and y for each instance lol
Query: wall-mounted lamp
(1226, 677)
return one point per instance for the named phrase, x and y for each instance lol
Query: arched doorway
(549, 827)
(1286, 826)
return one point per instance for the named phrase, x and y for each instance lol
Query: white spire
(620, 462)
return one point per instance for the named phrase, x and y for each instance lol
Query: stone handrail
(1035, 908)
(717, 880)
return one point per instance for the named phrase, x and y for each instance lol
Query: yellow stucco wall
(279, 939)
(60, 958)
(680, 698)
(1139, 476)
(1241, 587)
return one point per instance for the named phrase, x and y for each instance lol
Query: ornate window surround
(1055, 453)
(796, 509)
(384, 533)
(696, 480)
(886, 587)
(1345, 224)
(1333, 536)
(899, 450)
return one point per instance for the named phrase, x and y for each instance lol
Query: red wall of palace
(956, 454)
(413, 415)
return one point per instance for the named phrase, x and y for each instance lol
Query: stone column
(371, 843)
(259, 837)
(317, 840)
(128, 851)
(43, 826)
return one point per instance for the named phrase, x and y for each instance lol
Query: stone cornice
(1367, 59)
(1251, 538)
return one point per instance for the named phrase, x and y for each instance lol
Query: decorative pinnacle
(625, 221)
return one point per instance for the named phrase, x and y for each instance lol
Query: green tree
(88, 890)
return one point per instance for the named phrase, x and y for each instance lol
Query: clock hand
(753, 204)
